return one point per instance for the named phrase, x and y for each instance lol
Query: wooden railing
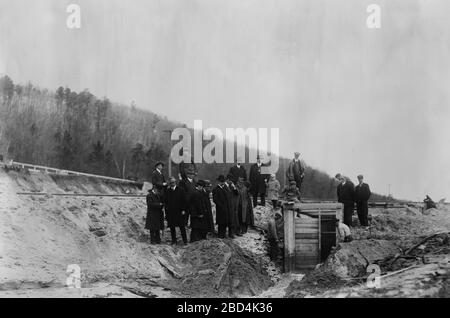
(67, 172)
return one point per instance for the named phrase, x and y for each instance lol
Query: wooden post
(289, 239)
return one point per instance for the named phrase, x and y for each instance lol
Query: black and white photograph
(224, 154)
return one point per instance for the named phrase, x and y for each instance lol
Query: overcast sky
(350, 99)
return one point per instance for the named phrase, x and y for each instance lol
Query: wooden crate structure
(309, 234)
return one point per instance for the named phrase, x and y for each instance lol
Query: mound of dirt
(217, 268)
(350, 260)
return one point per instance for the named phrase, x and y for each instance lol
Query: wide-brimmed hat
(159, 163)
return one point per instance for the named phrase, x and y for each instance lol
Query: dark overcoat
(188, 189)
(158, 180)
(245, 207)
(233, 197)
(238, 172)
(199, 211)
(155, 217)
(220, 199)
(209, 214)
(175, 205)
(346, 192)
(257, 180)
(362, 192)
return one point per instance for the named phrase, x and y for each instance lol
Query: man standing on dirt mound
(175, 210)
(199, 213)
(220, 199)
(362, 195)
(155, 217)
(346, 196)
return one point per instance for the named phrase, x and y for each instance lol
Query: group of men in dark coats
(348, 195)
(190, 200)
(234, 210)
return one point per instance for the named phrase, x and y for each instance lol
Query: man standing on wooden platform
(296, 171)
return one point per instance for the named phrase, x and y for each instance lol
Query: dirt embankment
(41, 235)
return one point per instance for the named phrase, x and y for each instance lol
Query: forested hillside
(79, 131)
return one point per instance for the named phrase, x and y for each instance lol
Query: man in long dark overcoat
(155, 217)
(220, 198)
(362, 195)
(258, 183)
(175, 207)
(199, 213)
(346, 196)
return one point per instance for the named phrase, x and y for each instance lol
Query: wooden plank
(306, 220)
(302, 236)
(289, 240)
(306, 230)
(320, 234)
(307, 250)
(306, 241)
(308, 224)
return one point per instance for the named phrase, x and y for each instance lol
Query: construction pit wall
(309, 234)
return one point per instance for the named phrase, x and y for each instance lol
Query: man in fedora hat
(296, 170)
(158, 179)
